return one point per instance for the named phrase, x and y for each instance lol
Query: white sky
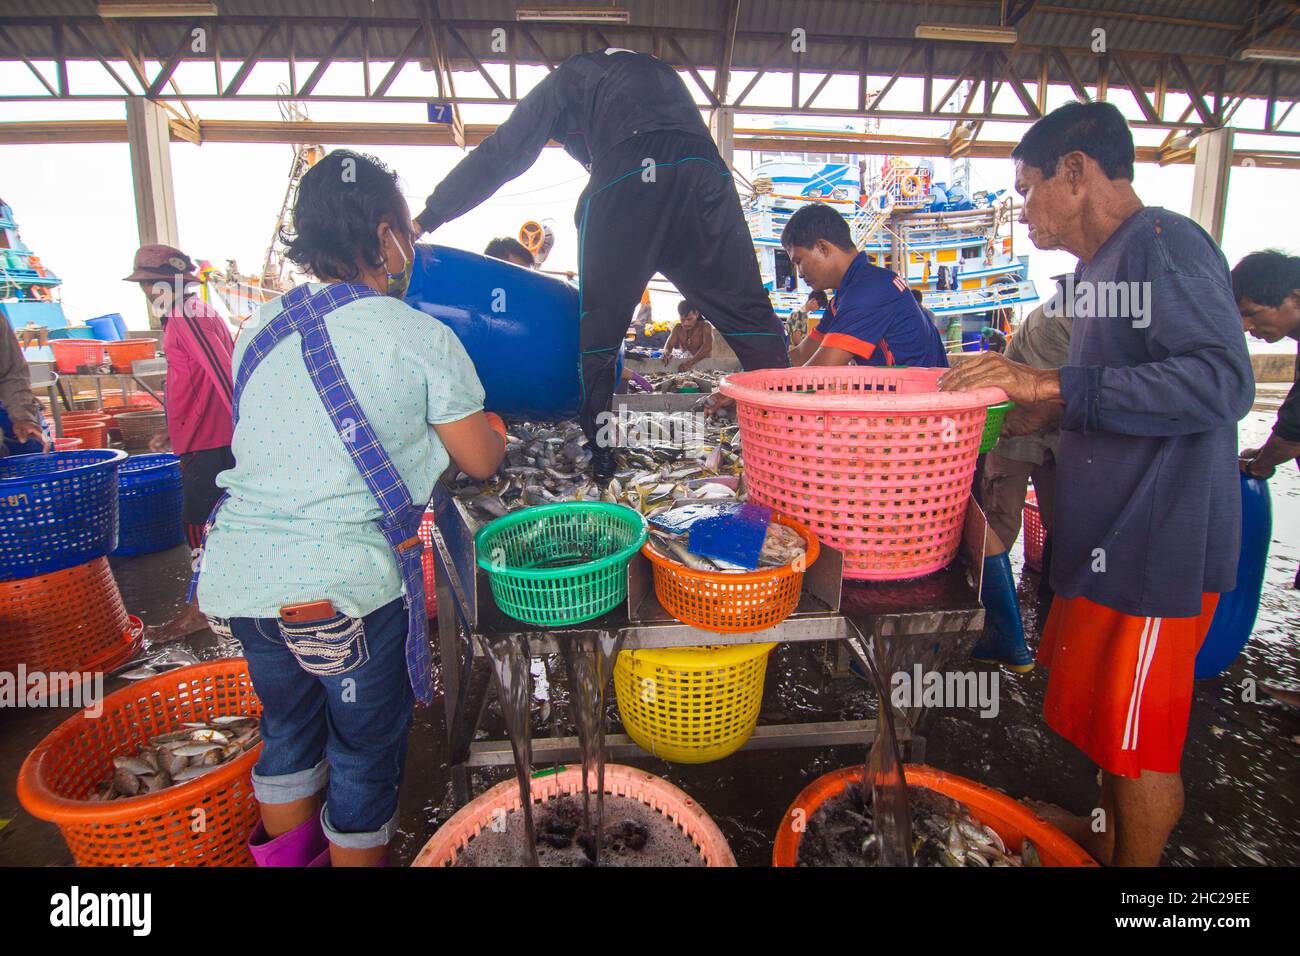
(76, 209)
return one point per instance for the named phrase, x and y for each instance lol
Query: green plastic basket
(562, 563)
(993, 425)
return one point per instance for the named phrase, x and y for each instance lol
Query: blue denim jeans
(336, 712)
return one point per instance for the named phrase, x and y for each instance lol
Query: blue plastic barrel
(1234, 617)
(105, 328)
(149, 504)
(519, 327)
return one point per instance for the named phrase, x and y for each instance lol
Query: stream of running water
(510, 660)
(884, 787)
(589, 660)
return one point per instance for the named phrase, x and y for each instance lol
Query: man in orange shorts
(1148, 507)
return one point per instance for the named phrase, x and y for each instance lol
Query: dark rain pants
(665, 202)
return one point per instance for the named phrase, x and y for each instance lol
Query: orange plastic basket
(204, 822)
(1035, 534)
(731, 602)
(67, 444)
(427, 566)
(72, 354)
(70, 621)
(122, 354)
(487, 809)
(1012, 820)
(93, 433)
(875, 461)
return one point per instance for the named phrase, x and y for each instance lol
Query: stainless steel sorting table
(944, 605)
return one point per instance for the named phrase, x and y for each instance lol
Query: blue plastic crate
(57, 510)
(149, 503)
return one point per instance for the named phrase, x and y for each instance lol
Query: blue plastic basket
(149, 501)
(57, 510)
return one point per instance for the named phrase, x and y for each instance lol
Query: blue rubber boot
(1004, 634)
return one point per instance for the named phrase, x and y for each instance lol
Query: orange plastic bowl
(1012, 820)
(731, 602)
(203, 822)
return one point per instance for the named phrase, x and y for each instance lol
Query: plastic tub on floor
(1012, 820)
(481, 812)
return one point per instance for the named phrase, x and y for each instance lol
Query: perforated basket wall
(874, 461)
(1035, 534)
(691, 704)
(57, 510)
(203, 822)
(149, 503)
(69, 621)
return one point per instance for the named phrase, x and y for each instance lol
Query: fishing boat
(29, 291)
(955, 246)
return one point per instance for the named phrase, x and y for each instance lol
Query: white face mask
(160, 306)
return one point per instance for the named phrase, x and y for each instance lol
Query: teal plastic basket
(560, 564)
(993, 425)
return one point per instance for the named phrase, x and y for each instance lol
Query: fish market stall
(929, 620)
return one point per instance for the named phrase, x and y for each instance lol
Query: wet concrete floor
(1241, 764)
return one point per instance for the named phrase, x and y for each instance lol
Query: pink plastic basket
(1035, 536)
(875, 461)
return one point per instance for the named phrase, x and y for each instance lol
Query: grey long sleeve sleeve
(16, 380)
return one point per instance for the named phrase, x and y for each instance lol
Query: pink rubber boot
(301, 846)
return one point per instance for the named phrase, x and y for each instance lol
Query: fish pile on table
(172, 758)
(704, 382)
(782, 546)
(675, 457)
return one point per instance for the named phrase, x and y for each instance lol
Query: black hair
(819, 296)
(339, 204)
(816, 221)
(505, 247)
(686, 306)
(1266, 277)
(916, 294)
(1097, 130)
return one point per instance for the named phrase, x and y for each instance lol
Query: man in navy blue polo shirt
(873, 318)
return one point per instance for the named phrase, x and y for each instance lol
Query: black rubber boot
(602, 465)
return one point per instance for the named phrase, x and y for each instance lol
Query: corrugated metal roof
(1192, 28)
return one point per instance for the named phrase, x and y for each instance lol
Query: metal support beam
(1210, 182)
(149, 136)
(722, 125)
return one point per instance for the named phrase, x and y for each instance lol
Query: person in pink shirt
(198, 345)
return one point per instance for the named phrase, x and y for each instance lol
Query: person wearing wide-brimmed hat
(198, 345)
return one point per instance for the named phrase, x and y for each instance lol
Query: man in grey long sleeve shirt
(16, 398)
(1148, 506)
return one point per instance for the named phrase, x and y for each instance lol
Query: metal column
(722, 125)
(149, 136)
(1210, 185)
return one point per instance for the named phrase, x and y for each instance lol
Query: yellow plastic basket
(691, 704)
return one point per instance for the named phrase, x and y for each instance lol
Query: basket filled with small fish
(162, 777)
(560, 564)
(956, 822)
(729, 591)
